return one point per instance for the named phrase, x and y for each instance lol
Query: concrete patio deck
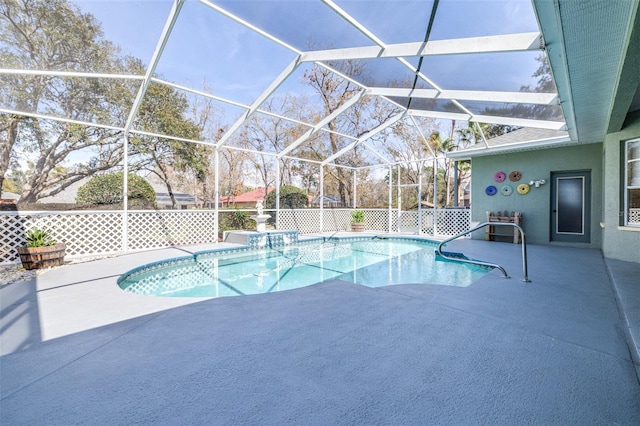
(561, 349)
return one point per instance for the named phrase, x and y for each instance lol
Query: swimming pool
(371, 261)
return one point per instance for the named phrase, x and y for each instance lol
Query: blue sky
(205, 37)
(239, 64)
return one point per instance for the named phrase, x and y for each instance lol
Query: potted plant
(41, 250)
(357, 221)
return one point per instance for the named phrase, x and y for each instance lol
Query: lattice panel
(336, 220)
(303, 221)
(408, 221)
(451, 222)
(634, 216)
(377, 220)
(153, 229)
(427, 222)
(394, 221)
(86, 233)
(100, 232)
(13, 228)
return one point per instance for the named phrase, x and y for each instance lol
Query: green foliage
(233, 220)
(107, 189)
(39, 238)
(291, 197)
(56, 34)
(239, 220)
(164, 111)
(357, 216)
(9, 185)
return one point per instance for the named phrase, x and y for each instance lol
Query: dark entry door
(570, 201)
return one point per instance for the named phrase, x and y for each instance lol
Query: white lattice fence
(427, 222)
(451, 222)
(303, 221)
(394, 221)
(91, 233)
(377, 220)
(84, 233)
(152, 229)
(408, 221)
(448, 222)
(336, 219)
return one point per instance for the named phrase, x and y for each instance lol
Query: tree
(9, 185)
(56, 35)
(163, 112)
(107, 189)
(232, 164)
(334, 91)
(267, 133)
(291, 197)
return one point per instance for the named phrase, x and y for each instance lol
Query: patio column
(355, 188)
(455, 184)
(389, 208)
(321, 198)
(399, 192)
(125, 191)
(216, 192)
(277, 193)
(419, 197)
(435, 196)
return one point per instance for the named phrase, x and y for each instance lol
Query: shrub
(107, 189)
(233, 220)
(291, 197)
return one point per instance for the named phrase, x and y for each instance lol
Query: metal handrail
(525, 276)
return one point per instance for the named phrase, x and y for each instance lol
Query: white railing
(99, 232)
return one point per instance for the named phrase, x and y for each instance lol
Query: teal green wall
(535, 206)
(619, 242)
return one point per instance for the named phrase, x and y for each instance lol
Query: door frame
(571, 237)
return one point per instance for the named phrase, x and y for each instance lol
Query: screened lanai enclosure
(197, 109)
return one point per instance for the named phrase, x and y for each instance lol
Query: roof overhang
(556, 142)
(593, 52)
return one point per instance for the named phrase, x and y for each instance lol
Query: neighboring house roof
(181, 198)
(247, 197)
(327, 200)
(67, 195)
(9, 195)
(524, 139)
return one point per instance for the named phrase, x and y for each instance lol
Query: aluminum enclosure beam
(364, 137)
(488, 44)
(468, 95)
(263, 97)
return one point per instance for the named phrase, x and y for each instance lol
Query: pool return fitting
(461, 258)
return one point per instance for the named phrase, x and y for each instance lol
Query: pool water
(371, 262)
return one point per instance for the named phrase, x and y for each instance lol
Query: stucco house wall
(619, 242)
(536, 205)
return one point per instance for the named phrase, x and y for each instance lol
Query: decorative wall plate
(499, 177)
(515, 176)
(506, 190)
(523, 189)
(491, 190)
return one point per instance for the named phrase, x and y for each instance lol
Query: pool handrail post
(525, 272)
